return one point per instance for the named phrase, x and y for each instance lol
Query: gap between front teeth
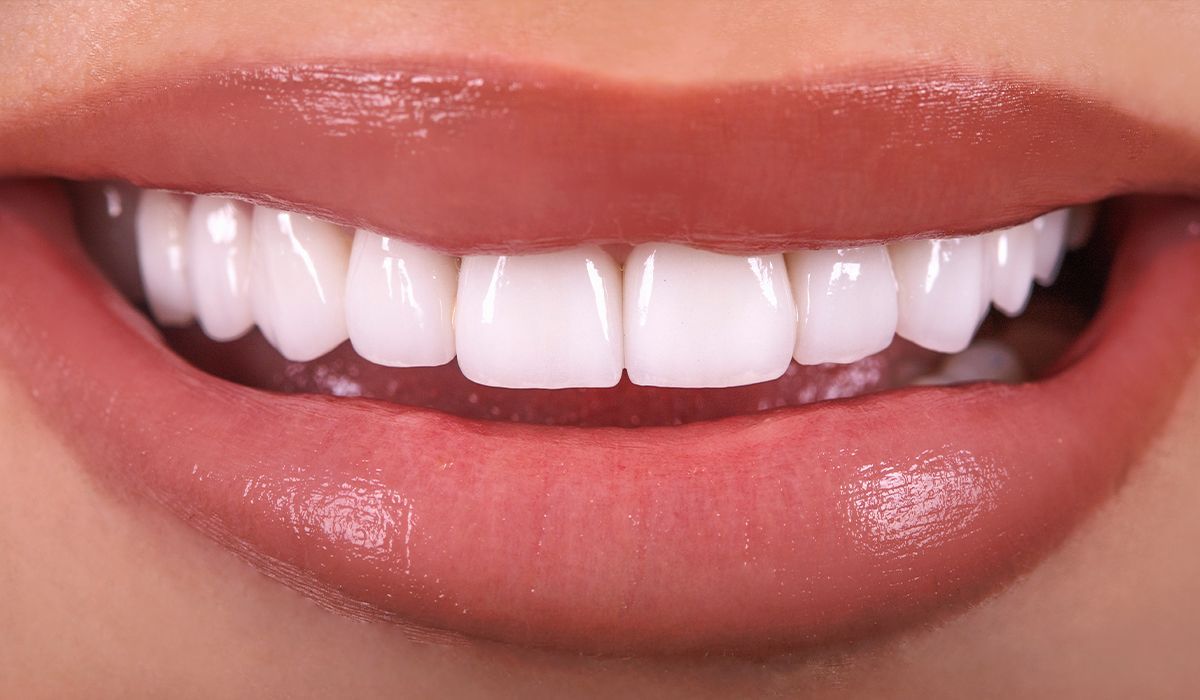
(674, 316)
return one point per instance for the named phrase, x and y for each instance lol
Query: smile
(530, 356)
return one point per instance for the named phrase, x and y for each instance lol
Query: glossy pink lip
(469, 156)
(744, 534)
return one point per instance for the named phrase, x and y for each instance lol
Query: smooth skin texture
(102, 595)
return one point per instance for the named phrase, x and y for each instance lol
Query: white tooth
(550, 321)
(984, 361)
(161, 227)
(933, 379)
(699, 319)
(400, 302)
(845, 302)
(218, 266)
(1010, 258)
(1080, 222)
(298, 282)
(941, 290)
(1049, 245)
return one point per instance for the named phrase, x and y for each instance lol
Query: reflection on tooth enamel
(218, 266)
(845, 303)
(549, 321)
(298, 282)
(400, 302)
(161, 228)
(940, 291)
(700, 319)
(1050, 244)
(1010, 259)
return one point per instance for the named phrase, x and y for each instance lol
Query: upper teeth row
(675, 316)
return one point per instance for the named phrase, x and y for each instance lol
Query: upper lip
(744, 533)
(486, 157)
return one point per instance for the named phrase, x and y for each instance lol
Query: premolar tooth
(161, 227)
(845, 302)
(550, 320)
(218, 266)
(700, 319)
(1049, 244)
(1010, 258)
(941, 290)
(400, 302)
(298, 282)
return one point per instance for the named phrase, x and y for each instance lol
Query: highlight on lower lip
(744, 534)
(476, 156)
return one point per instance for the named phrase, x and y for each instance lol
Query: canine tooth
(218, 266)
(1050, 245)
(161, 228)
(1010, 259)
(941, 290)
(699, 319)
(845, 302)
(550, 320)
(298, 282)
(400, 302)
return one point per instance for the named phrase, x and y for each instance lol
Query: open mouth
(552, 361)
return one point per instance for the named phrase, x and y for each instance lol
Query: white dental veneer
(1050, 243)
(548, 321)
(845, 303)
(675, 317)
(298, 282)
(400, 302)
(699, 319)
(161, 230)
(1010, 257)
(941, 285)
(218, 266)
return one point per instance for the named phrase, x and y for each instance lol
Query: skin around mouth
(746, 534)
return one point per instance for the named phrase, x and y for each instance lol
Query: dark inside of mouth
(1055, 317)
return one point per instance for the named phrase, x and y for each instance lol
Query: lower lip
(745, 534)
